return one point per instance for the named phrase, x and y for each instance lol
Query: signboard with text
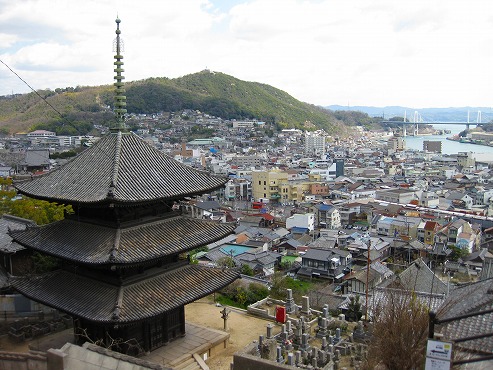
(438, 355)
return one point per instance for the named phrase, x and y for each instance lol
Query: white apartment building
(38, 134)
(243, 124)
(306, 221)
(314, 143)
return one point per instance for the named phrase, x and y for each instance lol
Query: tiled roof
(158, 291)
(474, 297)
(120, 168)
(37, 157)
(95, 245)
(324, 254)
(431, 225)
(418, 277)
(325, 207)
(7, 223)
(383, 296)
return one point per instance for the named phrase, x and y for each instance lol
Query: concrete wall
(242, 360)
(23, 361)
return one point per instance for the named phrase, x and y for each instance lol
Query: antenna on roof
(120, 98)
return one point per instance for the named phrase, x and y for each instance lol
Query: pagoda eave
(120, 168)
(97, 245)
(115, 202)
(100, 302)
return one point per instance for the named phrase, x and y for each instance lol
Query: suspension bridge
(417, 119)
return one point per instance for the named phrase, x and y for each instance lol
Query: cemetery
(303, 338)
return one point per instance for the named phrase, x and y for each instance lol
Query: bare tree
(400, 329)
(129, 347)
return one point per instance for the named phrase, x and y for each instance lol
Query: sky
(417, 54)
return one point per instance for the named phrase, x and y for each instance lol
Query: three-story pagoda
(121, 275)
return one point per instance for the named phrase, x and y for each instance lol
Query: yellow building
(275, 186)
(266, 184)
(294, 191)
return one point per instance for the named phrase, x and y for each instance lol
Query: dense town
(358, 214)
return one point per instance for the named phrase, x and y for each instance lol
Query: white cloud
(414, 53)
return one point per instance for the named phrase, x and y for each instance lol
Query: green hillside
(210, 92)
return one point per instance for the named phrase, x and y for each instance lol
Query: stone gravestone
(290, 304)
(305, 305)
(304, 342)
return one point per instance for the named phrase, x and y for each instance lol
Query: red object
(257, 205)
(281, 314)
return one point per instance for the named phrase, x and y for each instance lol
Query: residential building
(374, 275)
(319, 189)
(459, 233)
(430, 229)
(303, 221)
(396, 143)
(465, 160)
(247, 161)
(238, 188)
(243, 124)
(266, 184)
(434, 146)
(394, 226)
(314, 143)
(429, 199)
(325, 263)
(401, 196)
(327, 216)
(460, 200)
(35, 161)
(294, 191)
(6, 171)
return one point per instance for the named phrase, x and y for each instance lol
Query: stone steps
(189, 364)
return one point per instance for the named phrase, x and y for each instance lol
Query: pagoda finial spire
(120, 98)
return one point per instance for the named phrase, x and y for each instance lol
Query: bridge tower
(416, 120)
(404, 132)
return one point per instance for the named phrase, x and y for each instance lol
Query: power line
(38, 94)
(64, 119)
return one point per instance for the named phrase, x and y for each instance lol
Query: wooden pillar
(182, 320)
(147, 335)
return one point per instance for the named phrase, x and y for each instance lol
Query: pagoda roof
(159, 292)
(120, 168)
(92, 244)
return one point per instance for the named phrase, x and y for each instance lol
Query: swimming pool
(235, 249)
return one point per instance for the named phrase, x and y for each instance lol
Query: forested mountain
(210, 92)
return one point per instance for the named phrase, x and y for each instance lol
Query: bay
(448, 146)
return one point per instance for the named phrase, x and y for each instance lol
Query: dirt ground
(243, 328)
